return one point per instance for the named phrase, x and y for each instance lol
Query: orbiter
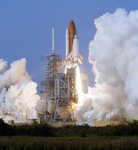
(73, 56)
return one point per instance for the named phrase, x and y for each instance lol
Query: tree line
(128, 129)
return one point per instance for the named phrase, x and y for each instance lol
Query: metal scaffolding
(55, 88)
(71, 77)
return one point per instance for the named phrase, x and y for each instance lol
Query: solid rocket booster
(72, 45)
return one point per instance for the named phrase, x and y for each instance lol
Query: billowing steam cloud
(114, 53)
(18, 94)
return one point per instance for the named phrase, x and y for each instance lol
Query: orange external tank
(71, 34)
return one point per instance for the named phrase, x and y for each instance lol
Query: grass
(69, 143)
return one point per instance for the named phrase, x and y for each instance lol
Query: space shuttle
(73, 56)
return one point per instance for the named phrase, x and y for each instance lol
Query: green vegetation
(37, 137)
(44, 130)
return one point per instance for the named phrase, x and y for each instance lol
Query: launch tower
(58, 88)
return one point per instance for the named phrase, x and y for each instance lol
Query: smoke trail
(114, 53)
(18, 94)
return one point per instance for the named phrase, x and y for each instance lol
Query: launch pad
(58, 89)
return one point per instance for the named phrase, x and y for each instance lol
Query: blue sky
(25, 27)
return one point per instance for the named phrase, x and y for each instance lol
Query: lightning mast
(54, 86)
(53, 40)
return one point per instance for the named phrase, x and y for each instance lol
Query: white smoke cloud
(114, 52)
(18, 93)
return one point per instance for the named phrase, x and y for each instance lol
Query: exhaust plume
(114, 54)
(18, 93)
